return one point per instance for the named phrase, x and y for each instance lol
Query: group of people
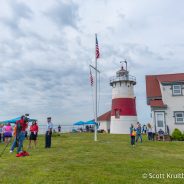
(136, 133)
(33, 135)
(18, 133)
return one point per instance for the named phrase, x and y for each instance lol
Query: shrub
(177, 135)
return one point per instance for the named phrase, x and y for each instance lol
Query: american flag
(97, 49)
(91, 78)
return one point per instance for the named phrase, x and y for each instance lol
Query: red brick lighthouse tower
(123, 112)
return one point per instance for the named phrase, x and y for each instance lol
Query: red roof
(153, 91)
(105, 117)
(157, 103)
(152, 86)
(171, 77)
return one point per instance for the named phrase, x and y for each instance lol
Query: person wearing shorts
(7, 131)
(33, 133)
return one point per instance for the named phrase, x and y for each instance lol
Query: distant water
(64, 128)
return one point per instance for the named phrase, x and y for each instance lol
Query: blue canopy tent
(91, 122)
(16, 119)
(82, 123)
(12, 120)
(79, 123)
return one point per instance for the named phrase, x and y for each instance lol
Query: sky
(46, 48)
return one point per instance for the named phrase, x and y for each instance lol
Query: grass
(77, 159)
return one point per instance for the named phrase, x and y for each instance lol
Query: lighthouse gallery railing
(123, 78)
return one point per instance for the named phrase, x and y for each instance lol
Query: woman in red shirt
(34, 133)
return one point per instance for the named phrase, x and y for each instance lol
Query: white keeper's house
(165, 96)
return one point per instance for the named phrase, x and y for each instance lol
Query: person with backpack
(20, 132)
(132, 135)
(138, 132)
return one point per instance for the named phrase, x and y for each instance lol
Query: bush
(177, 135)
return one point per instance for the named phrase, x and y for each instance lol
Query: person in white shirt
(48, 133)
(150, 132)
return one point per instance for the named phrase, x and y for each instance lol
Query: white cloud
(46, 48)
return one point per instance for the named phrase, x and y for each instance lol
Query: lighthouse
(123, 112)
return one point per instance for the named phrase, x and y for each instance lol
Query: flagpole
(95, 132)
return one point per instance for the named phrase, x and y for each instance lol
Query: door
(160, 121)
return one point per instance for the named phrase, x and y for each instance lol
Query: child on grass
(132, 135)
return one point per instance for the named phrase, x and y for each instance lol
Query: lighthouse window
(117, 114)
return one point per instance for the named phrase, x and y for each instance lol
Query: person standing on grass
(34, 133)
(150, 132)
(132, 135)
(48, 133)
(59, 128)
(138, 132)
(21, 126)
(144, 129)
(7, 131)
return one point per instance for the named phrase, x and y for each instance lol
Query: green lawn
(77, 159)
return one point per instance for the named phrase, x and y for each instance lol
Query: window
(179, 117)
(177, 90)
(160, 120)
(117, 114)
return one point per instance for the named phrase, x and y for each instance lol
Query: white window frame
(181, 121)
(162, 113)
(177, 91)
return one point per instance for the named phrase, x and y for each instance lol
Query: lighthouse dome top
(122, 75)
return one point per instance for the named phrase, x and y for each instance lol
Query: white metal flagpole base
(95, 137)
